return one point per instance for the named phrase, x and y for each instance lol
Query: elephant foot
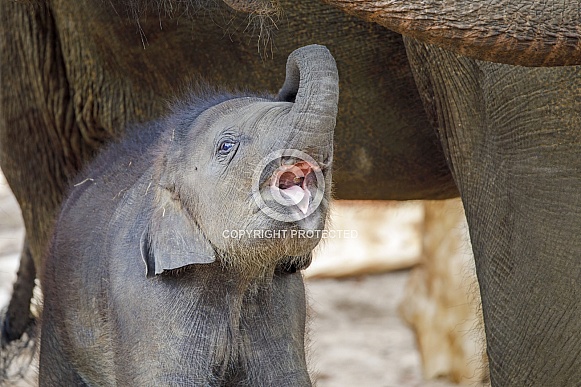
(16, 350)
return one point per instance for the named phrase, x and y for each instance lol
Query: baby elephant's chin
(272, 239)
(255, 256)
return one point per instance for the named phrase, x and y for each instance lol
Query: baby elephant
(174, 257)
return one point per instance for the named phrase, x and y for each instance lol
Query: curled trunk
(312, 83)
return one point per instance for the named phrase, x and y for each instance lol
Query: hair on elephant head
(178, 244)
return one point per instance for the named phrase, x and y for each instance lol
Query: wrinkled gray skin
(513, 138)
(509, 134)
(142, 288)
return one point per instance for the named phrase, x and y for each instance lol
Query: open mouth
(291, 182)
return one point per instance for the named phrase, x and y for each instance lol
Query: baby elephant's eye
(226, 146)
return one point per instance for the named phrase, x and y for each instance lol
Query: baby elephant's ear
(172, 241)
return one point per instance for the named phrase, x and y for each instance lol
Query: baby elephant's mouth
(292, 182)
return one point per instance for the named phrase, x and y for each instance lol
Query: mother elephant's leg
(33, 104)
(513, 139)
(17, 317)
(37, 127)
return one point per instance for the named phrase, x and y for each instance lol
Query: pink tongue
(298, 196)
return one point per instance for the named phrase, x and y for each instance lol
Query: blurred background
(393, 298)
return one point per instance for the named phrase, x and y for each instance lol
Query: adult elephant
(74, 73)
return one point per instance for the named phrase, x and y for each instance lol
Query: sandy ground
(356, 335)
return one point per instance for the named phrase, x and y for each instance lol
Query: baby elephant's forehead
(240, 112)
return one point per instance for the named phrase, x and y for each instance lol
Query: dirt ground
(356, 336)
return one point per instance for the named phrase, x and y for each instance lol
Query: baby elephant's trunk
(312, 83)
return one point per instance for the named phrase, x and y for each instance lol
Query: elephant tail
(18, 325)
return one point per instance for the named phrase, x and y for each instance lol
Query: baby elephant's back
(103, 206)
(98, 197)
